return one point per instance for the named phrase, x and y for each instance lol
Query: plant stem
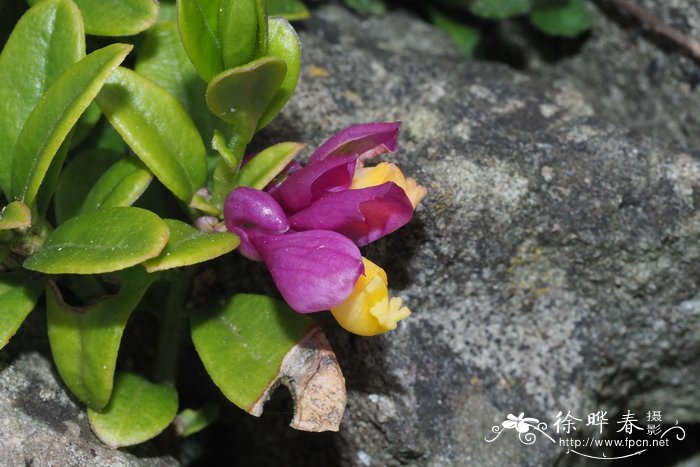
(173, 326)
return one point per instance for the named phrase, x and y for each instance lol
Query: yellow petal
(387, 172)
(369, 310)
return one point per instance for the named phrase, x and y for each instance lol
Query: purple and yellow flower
(308, 227)
(313, 269)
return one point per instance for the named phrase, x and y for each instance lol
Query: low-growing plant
(123, 170)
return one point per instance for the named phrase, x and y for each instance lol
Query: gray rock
(632, 76)
(553, 266)
(40, 425)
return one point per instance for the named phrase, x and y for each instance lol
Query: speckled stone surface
(40, 425)
(634, 77)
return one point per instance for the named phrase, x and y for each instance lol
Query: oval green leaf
(102, 241)
(566, 18)
(198, 22)
(190, 421)
(284, 45)
(242, 344)
(30, 63)
(121, 185)
(85, 341)
(158, 129)
(138, 411)
(253, 343)
(78, 177)
(54, 116)
(187, 245)
(116, 17)
(241, 95)
(499, 9)
(163, 60)
(267, 164)
(15, 215)
(19, 293)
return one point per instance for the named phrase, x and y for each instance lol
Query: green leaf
(293, 10)
(30, 63)
(223, 181)
(105, 240)
(138, 411)
(198, 22)
(367, 7)
(187, 245)
(54, 116)
(163, 59)
(284, 45)
(85, 340)
(238, 31)
(167, 11)
(106, 137)
(78, 177)
(158, 129)
(85, 124)
(499, 9)
(267, 164)
(116, 17)
(242, 344)
(52, 176)
(240, 96)
(19, 293)
(121, 185)
(218, 143)
(465, 37)
(253, 343)
(15, 215)
(189, 421)
(567, 18)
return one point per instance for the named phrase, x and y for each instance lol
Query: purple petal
(313, 270)
(313, 181)
(248, 213)
(291, 168)
(366, 140)
(363, 215)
